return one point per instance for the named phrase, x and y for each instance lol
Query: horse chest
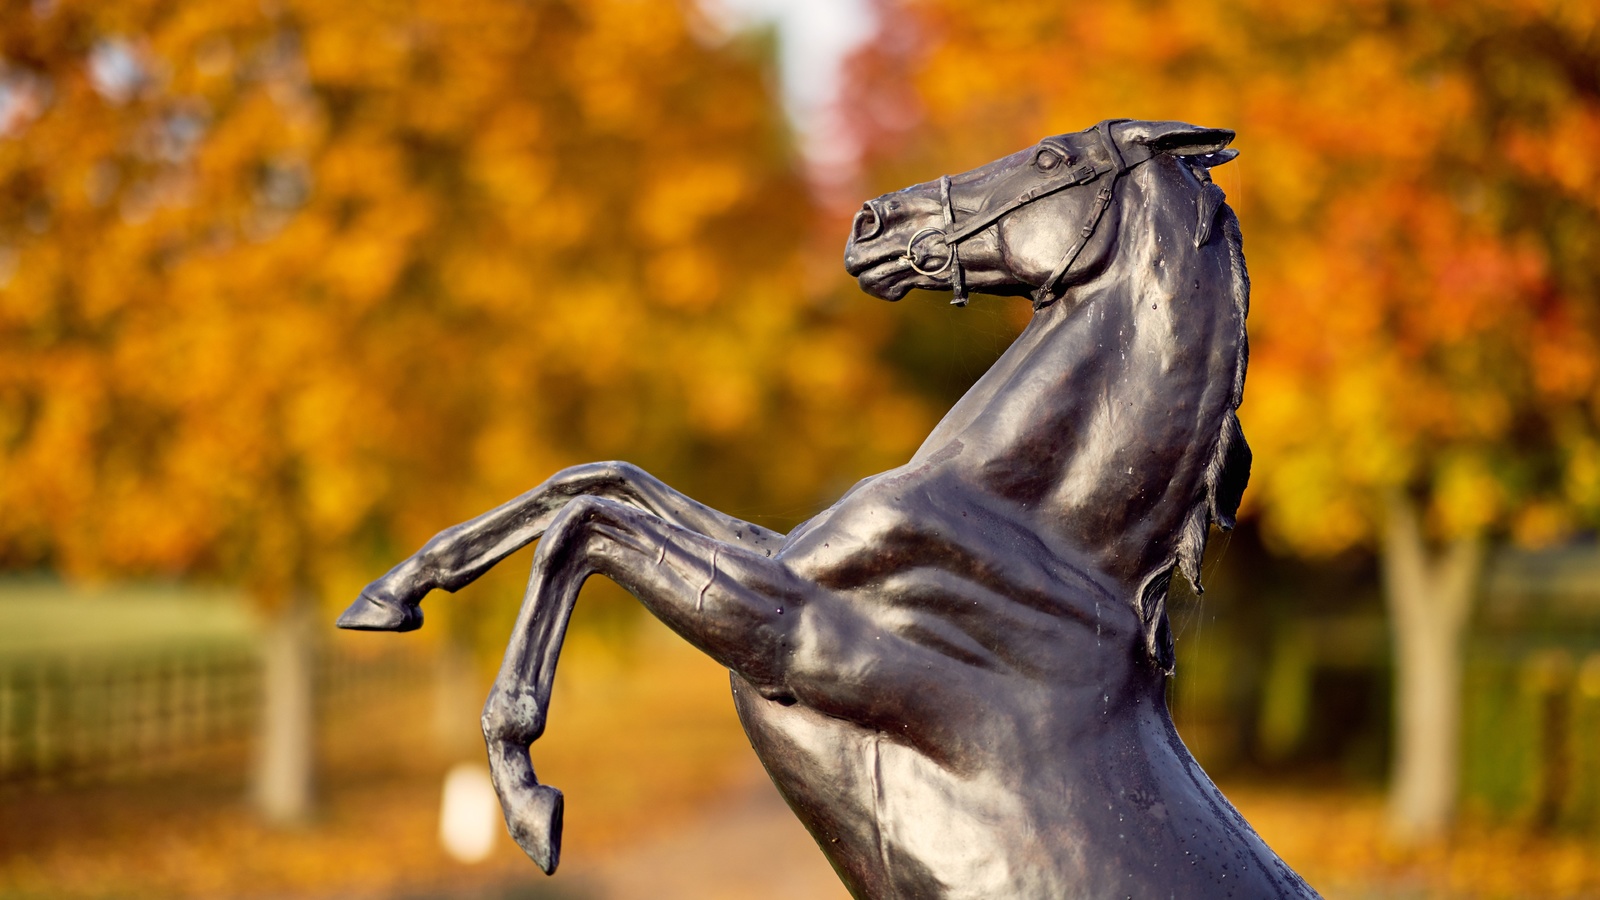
(930, 517)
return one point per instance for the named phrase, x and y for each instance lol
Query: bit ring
(911, 256)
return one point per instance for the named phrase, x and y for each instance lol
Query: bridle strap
(958, 284)
(1080, 175)
(1045, 294)
(1117, 163)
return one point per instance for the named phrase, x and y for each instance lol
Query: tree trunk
(1429, 598)
(285, 745)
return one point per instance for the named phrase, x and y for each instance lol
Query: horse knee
(566, 526)
(518, 718)
(581, 479)
(617, 471)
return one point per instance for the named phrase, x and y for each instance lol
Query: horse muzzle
(881, 232)
(863, 251)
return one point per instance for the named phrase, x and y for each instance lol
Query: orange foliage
(1420, 198)
(286, 287)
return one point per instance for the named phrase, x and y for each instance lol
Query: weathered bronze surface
(956, 673)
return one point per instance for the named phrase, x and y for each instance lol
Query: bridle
(1118, 163)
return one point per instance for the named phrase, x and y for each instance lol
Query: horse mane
(1228, 470)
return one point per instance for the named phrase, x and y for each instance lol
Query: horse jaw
(889, 279)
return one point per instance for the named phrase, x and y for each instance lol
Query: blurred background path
(745, 843)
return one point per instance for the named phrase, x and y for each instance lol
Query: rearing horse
(955, 675)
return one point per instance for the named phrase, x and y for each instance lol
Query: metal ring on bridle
(911, 256)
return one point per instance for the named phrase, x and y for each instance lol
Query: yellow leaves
(508, 457)
(1582, 472)
(1563, 151)
(686, 278)
(509, 163)
(496, 281)
(1564, 360)
(824, 369)
(59, 428)
(410, 254)
(608, 98)
(363, 263)
(1318, 453)
(567, 217)
(361, 164)
(684, 193)
(1284, 177)
(338, 497)
(1542, 524)
(723, 402)
(617, 67)
(952, 83)
(1468, 498)
(1304, 507)
(594, 330)
(356, 50)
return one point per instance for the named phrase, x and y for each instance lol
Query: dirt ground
(664, 801)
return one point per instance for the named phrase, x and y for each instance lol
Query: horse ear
(1212, 160)
(1179, 138)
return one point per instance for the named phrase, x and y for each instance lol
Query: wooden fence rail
(81, 720)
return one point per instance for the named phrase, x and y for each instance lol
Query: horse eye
(1047, 159)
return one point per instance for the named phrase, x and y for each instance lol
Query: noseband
(1117, 163)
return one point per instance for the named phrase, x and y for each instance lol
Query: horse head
(998, 229)
(1134, 461)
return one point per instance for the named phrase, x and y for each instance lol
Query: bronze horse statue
(956, 674)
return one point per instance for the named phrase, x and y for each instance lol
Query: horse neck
(1104, 415)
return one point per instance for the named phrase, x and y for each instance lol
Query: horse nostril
(867, 223)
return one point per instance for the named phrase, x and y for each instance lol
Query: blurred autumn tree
(286, 287)
(1420, 193)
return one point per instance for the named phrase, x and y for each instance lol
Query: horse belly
(896, 824)
(821, 766)
(968, 836)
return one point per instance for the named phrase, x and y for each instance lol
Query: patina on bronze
(956, 674)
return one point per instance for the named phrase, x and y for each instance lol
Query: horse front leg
(461, 554)
(735, 604)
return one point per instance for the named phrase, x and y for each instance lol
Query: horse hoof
(369, 613)
(536, 826)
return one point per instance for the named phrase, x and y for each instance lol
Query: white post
(285, 748)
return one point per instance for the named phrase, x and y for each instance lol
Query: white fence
(129, 683)
(81, 719)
